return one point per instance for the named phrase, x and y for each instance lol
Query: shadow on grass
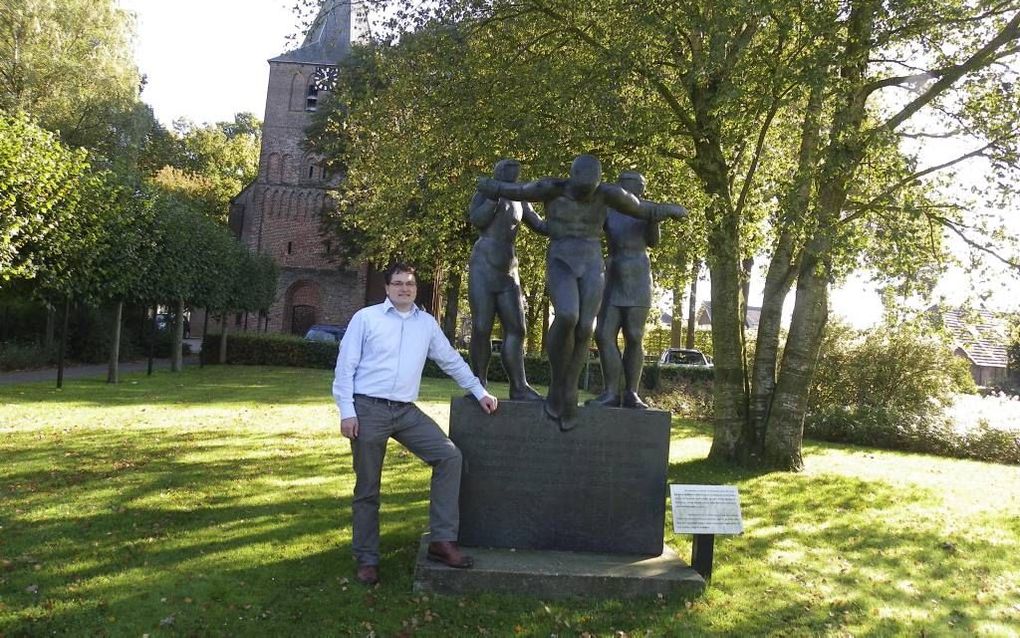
(839, 550)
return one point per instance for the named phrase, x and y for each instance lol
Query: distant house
(980, 337)
(704, 316)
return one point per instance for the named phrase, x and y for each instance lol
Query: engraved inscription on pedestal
(598, 488)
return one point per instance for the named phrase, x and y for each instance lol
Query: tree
(70, 64)
(206, 166)
(38, 193)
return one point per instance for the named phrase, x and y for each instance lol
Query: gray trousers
(412, 428)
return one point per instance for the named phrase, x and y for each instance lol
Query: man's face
(402, 290)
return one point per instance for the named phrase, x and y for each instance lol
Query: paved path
(95, 371)
(86, 371)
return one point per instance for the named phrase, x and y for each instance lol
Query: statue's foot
(551, 411)
(527, 393)
(632, 400)
(606, 399)
(567, 423)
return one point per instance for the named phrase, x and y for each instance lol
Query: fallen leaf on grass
(168, 621)
(32, 589)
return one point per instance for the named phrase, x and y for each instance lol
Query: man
(493, 283)
(627, 299)
(576, 209)
(378, 373)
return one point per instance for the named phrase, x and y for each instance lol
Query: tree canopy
(785, 127)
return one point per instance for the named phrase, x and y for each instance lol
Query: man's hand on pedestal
(488, 403)
(349, 427)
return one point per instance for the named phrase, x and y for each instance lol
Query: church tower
(279, 213)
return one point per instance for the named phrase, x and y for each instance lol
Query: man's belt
(390, 402)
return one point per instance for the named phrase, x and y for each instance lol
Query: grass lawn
(217, 502)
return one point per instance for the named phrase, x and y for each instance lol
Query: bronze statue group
(582, 286)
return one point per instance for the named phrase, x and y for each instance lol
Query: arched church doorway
(302, 306)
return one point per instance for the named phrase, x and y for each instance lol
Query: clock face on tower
(325, 78)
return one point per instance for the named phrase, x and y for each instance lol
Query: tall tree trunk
(63, 343)
(452, 300)
(692, 308)
(202, 354)
(676, 326)
(781, 272)
(746, 266)
(51, 328)
(223, 338)
(152, 337)
(785, 433)
(785, 425)
(113, 372)
(177, 343)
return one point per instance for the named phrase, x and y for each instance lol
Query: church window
(312, 99)
(329, 247)
(290, 247)
(311, 172)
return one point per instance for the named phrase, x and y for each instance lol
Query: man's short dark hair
(396, 269)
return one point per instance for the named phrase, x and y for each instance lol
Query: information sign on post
(704, 511)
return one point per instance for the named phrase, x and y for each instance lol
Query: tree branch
(986, 54)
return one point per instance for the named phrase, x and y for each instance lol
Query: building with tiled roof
(979, 336)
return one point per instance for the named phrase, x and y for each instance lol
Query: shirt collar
(388, 305)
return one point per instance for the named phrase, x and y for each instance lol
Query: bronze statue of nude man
(494, 286)
(576, 210)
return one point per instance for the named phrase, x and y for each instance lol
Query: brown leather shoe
(447, 553)
(367, 574)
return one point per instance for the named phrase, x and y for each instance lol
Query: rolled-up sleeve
(452, 363)
(346, 364)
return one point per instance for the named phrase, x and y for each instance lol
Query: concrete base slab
(558, 574)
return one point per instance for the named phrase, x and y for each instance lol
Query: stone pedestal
(552, 574)
(600, 487)
(552, 514)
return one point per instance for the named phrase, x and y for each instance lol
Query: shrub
(895, 430)
(255, 349)
(21, 355)
(898, 368)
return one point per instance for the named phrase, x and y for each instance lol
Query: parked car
(685, 357)
(164, 322)
(326, 332)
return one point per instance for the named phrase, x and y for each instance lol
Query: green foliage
(247, 348)
(39, 193)
(897, 368)
(69, 63)
(22, 355)
(205, 166)
(894, 429)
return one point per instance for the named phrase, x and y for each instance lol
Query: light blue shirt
(383, 354)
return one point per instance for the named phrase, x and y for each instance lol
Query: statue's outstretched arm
(538, 191)
(482, 210)
(628, 204)
(533, 221)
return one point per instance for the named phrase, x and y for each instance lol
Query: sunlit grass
(218, 502)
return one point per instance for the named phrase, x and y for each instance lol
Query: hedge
(247, 348)
(254, 349)
(889, 429)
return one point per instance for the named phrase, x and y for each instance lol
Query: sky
(207, 60)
